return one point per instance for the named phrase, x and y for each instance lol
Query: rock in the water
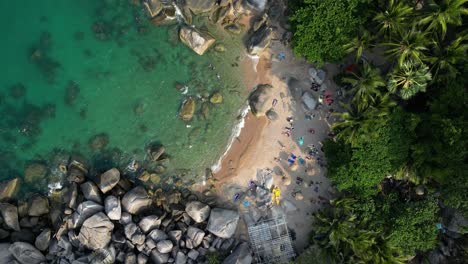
(153, 7)
(38, 205)
(241, 255)
(8, 189)
(309, 103)
(260, 99)
(198, 211)
(272, 115)
(96, 231)
(216, 98)
(164, 246)
(113, 207)
(10, 215)
(223, 222)
(259, 40)
(91, 192)
(157, 235)
(35, 172)
(5, 254)
(149, 223)
(26, 253)
(99, 141)
(200, 6)
(187, 109)
(233, 28)
(108, 180)
(136, 200)
(220, 47)
(196, 235)
(43, 239)
(85, 209)
(256, 5)
(196, 40)
(158, 257)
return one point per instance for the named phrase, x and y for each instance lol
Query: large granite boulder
(8, 189)
(157, 235)
(26, 253)
(223, 222)
(158, 257)
(108, 180)
(198, 211)
(260, 99)
(256, 5)
(149, 223)
(38, 205)
(196, 40)
(196, 236)
(153, 7)
(136, 200)
(164, 246)
(309, 103)
(259, 40)
(43, 240)
(113, 207)
(84, 211)
(133, 233)
(96, 231)
(91, 192)
(241, 255)
(10, 215)
(5, 254)
(187, 109)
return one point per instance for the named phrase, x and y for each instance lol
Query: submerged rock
(196, 40)
(99, 141)
(216, 98)
(220, 48)
(233, 28)
(35, 172)
(260, 99)
(187, 109)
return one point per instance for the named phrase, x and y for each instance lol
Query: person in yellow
(276, 195)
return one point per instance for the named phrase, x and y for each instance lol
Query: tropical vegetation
(398, 157)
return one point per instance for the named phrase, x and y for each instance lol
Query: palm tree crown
(408, 79)
(393, 17)
(446, 59)
(447, 12)
(362, 41)
(410, 44)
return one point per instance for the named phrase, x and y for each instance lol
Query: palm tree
(352, 126)
(382, 107)
(359, 43)
(410, 44)
(366, 83)
(409, 79)
(445, 59)
(443, 13)
(393, 18)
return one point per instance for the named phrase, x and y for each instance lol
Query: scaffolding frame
(270, 241)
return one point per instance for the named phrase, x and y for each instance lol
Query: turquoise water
(62, 84)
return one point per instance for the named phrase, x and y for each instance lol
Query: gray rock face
(130, 258)
(8, 189)
(198, 211)
(43, 240)
(91, 192)
(272, 115)
(38, 205)
(113, 207)
(134, 234)
(25, 253)
(153, 7)
(257, 5)
(96, 231)
(157, 235)
(126, 218)
(149, 223)
(309, 103)
(108, 180)
(196, 235)
(223, 222)
(196, 40)
(260, 99)
(142, 258)
(85, 209)
(259, 40)
(10, 215)
(70, 199)
(158, 257)
(164, 246)
(5, 254)
(175, 236)
(193, 254)
(241, 255)
(180, 258)
(136, 200)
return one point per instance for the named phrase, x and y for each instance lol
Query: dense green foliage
(323, 27)
(404, 127)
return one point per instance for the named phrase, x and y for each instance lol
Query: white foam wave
(235, 133)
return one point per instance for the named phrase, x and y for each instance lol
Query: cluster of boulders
(108, 219)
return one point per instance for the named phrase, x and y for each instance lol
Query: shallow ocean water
(62, 84)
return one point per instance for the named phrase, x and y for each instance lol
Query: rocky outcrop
(187, 109)
(96, 232)
(198, 211)
(260, 99)
(260, 39)
(309, 103)
(38, 205)
(136, 200)
(153, 7)
(91, 192)
(223, 222)
(108, 180)
(26, 253)
(196, 40)
(8, 189)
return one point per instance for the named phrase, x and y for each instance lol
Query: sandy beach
(263, 145)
